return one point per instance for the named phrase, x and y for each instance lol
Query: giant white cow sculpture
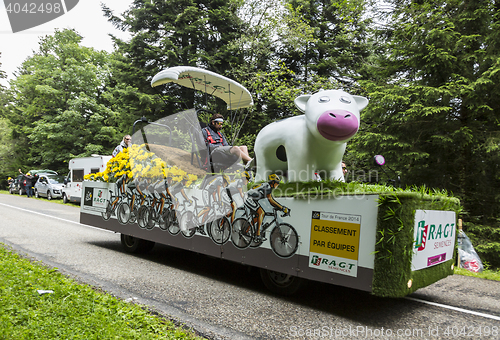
(314, 142)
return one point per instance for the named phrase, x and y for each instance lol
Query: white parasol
(234, 94)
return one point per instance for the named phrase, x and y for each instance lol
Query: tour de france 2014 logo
(25, 14)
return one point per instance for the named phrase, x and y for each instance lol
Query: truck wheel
(282, 284)
(136, 245)
(65, 199)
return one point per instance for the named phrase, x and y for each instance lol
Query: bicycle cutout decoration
(150, 203)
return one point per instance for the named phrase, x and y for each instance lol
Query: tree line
(431, 70)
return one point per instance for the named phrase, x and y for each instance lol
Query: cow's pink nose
(337, 125)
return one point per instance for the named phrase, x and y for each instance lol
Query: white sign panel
(95, 197)
(434, 238)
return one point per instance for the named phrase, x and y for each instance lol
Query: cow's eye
(324, 99)
(345, 100)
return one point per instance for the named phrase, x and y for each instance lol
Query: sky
(86, 18)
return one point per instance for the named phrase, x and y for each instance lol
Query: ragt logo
(421, 236)
(316, 260)
(427, 231)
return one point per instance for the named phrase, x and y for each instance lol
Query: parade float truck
(166, 188)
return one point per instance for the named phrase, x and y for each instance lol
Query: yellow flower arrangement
(136, 161)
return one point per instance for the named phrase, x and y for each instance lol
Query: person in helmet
(28, 183)
(218, 146)
(258, 194)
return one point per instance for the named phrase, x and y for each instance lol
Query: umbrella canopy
(234, 94)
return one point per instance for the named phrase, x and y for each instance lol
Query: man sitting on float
(218, 146)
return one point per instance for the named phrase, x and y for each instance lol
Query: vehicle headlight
(57, 191)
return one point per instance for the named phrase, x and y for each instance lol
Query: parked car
(17, 186)
(49, 185)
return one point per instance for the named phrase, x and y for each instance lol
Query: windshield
(55, 179)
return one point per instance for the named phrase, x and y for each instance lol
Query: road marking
(455, 308)
(55, 217)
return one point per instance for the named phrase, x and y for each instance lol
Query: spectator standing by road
(125, 143)
(28, 183)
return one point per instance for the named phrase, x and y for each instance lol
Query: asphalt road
(224, 300)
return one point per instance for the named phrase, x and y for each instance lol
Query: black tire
(37, 195)
(282, 284)
(241, 233)
(284, 240)
(136, 245)
(11, 191)
(65, 199)
(49, 195)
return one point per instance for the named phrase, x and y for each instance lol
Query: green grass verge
(55, 200)
(72, 311)
(487, 274)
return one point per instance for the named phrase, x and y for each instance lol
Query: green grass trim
(394, 244)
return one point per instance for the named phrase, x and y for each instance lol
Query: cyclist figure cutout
(257, 194)
(235, 188)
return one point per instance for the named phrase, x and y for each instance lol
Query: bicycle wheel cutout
(241, 233)
(173, 228)
(284, 240)
(187, 226)
(123, 213)
(106, 215)
(220, 230)
(165, 220)
(143, 217)
(151, 219)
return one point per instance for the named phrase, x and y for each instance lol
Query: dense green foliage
(429, 68)
(71, 310)
(56, 106)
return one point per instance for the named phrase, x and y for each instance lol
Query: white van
(79, 167)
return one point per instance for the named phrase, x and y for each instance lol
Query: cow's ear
(361, 101)
(301, 101)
